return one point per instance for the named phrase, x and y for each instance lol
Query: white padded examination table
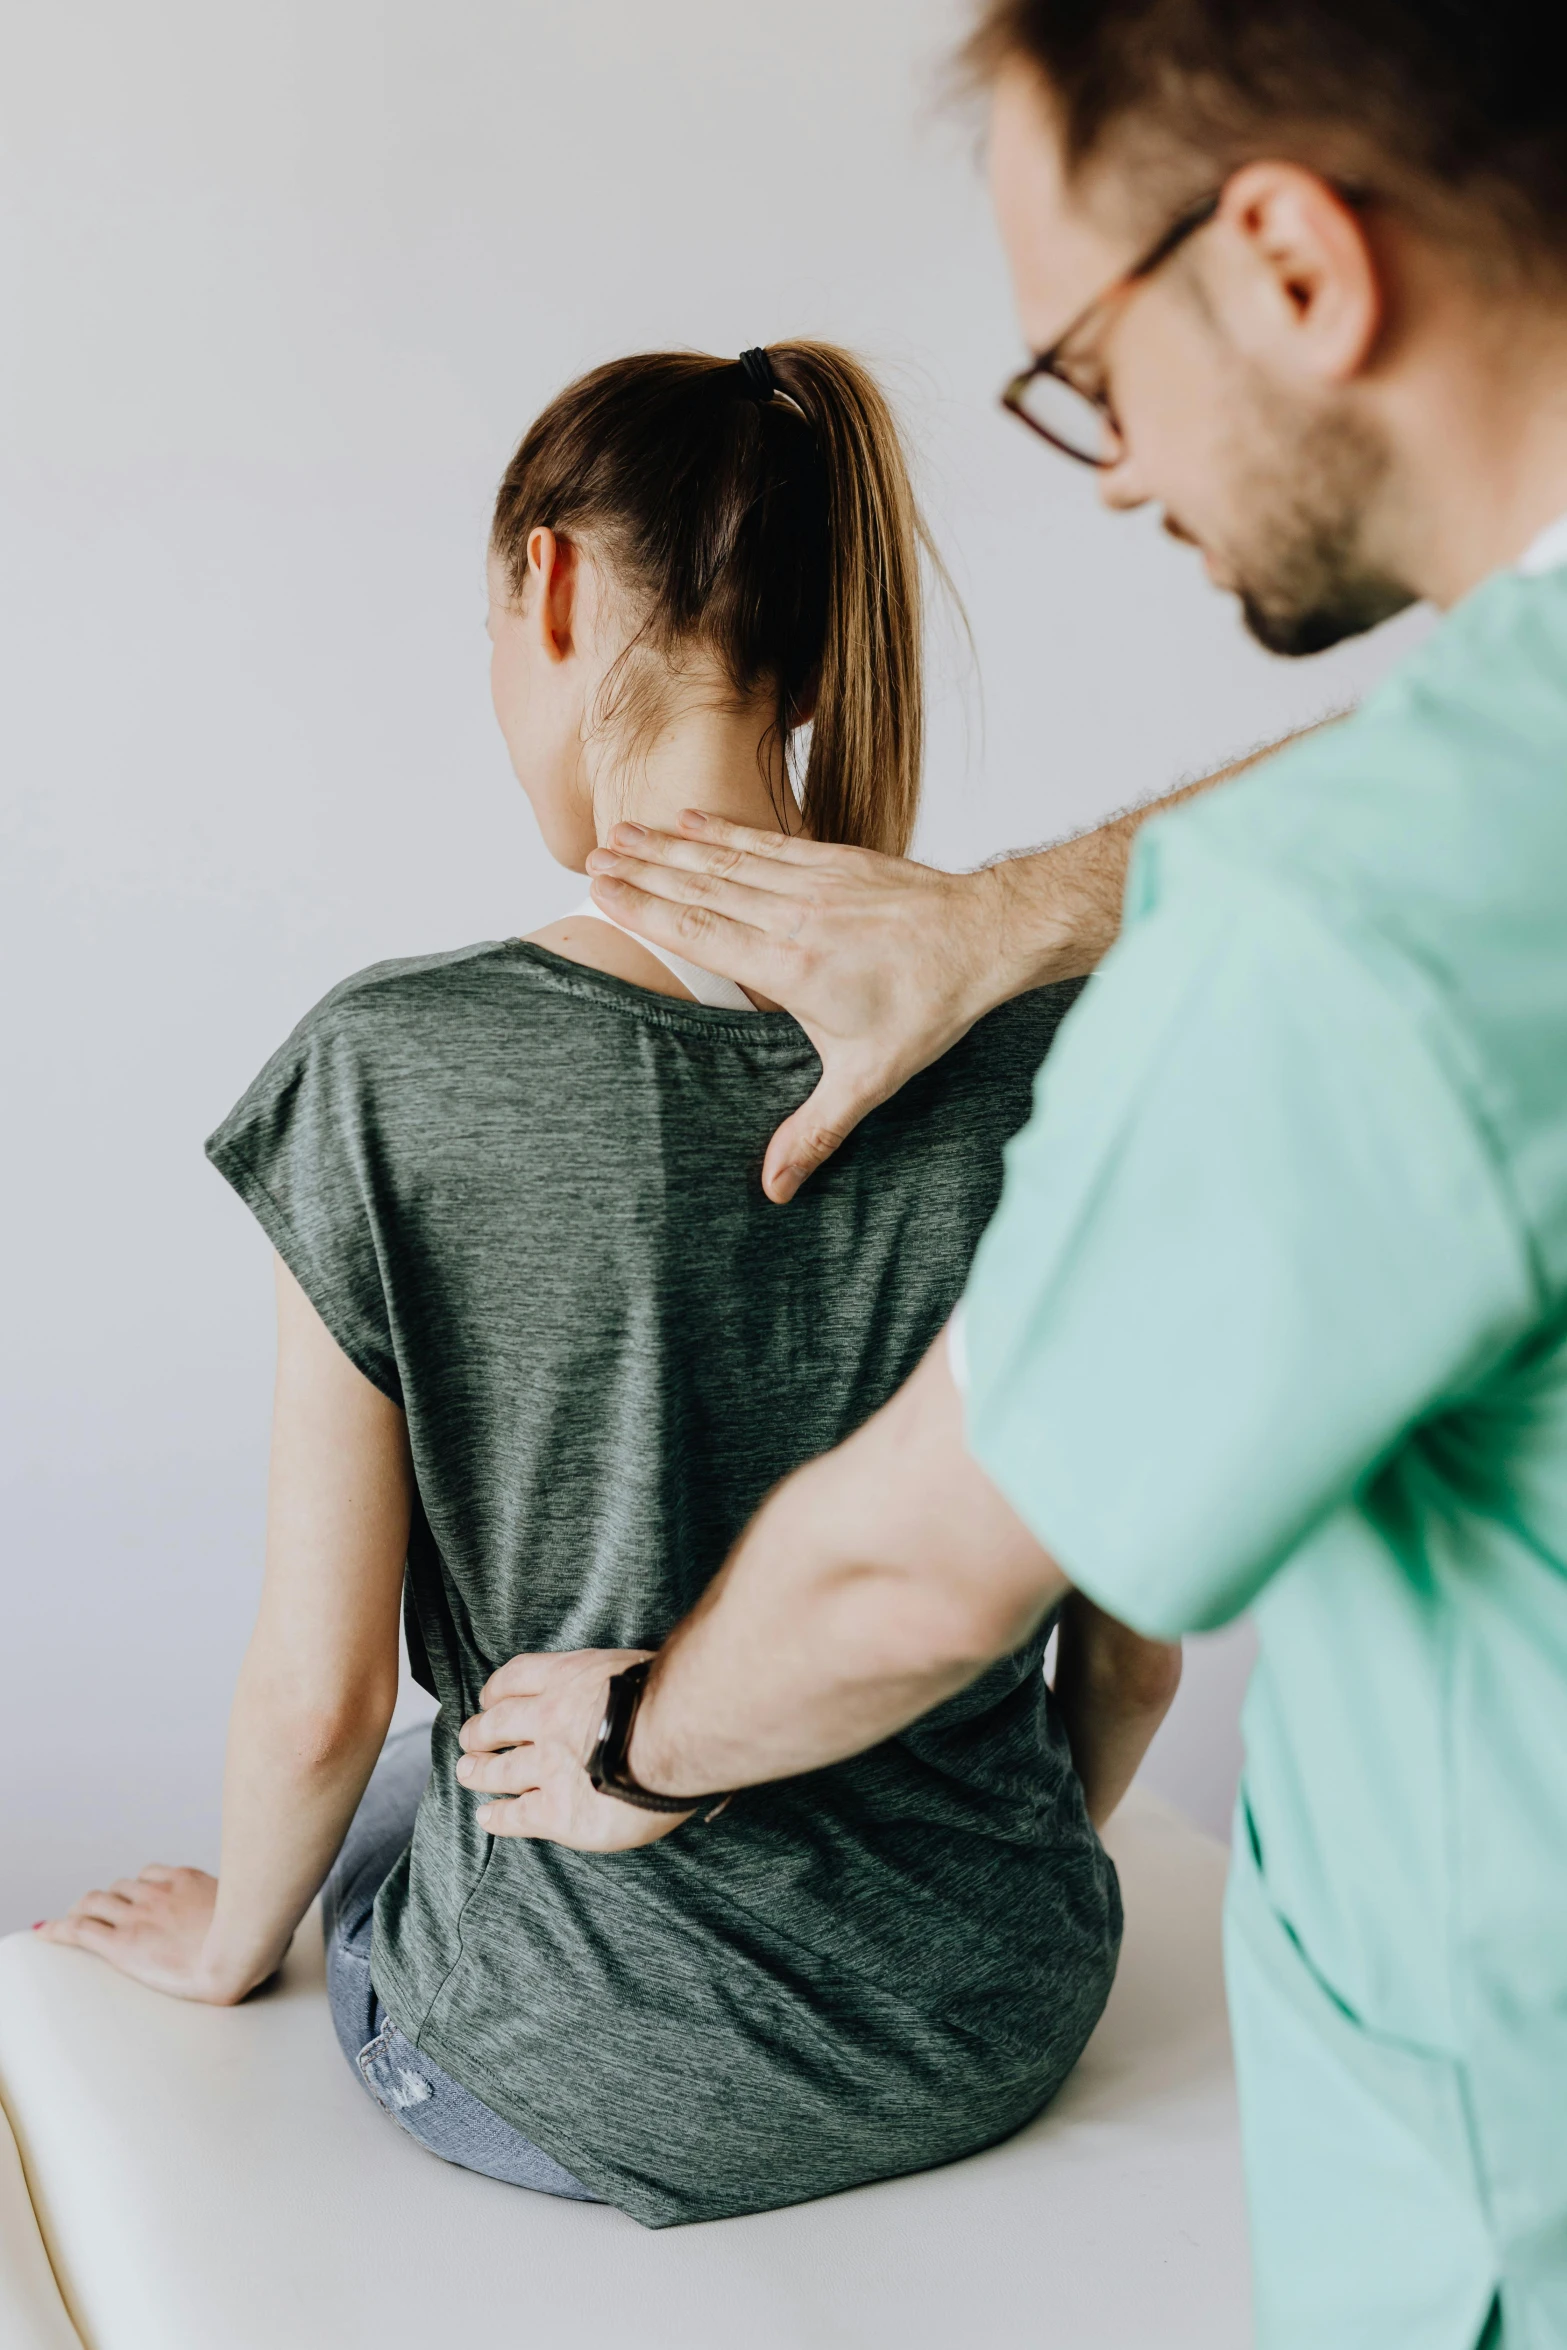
(204, 2179)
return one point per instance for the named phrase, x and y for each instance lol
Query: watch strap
(608, 1768)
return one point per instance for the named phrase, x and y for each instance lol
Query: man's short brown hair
(1455, 108)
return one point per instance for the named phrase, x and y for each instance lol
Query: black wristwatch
(607, 1765)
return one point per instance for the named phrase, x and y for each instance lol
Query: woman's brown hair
(760, 512)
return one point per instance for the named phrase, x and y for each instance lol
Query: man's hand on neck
(884, 963)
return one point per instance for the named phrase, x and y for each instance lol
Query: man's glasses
(1062, 393)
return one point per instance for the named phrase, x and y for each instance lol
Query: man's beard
(1299, 562)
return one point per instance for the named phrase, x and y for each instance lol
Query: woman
(543, 1346)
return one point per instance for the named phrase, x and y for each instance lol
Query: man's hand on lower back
(874, 1583)
(528, 1752)
(884, 963)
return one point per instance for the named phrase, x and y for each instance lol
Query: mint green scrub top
(1273, 1315)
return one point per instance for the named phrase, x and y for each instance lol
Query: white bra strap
(720, 995)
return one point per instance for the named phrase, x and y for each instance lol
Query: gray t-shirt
(525, 1199)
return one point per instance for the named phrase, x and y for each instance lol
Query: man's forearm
(1058, 909)
(875, 1583)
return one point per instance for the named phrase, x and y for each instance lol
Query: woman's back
(523, 1196)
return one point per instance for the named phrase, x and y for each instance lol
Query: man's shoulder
(1422, 842)
(1445, 782)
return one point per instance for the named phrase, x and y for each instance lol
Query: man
(1274, 1311)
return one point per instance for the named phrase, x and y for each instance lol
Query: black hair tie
(757, 368)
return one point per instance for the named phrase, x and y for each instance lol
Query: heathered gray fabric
(524, 1198)
(406, 2082)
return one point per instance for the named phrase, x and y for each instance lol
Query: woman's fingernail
(630, 832)
(693, 819)
(465, 1767)
(39, 1925)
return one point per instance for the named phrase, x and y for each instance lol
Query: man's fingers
(510, 1723)
(748, 940)
(673, 866)
(513, 1772)
(539, 1673)
(519, 1817)
(700, 833)
(520, 1676)
(780, 848)
(613, 1827)
(808, 1138)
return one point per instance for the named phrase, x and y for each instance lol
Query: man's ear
(553, 576)
(1304, 293)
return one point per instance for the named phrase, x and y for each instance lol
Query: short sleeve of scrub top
(1251, 1235)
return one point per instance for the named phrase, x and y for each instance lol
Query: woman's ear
(553, 576)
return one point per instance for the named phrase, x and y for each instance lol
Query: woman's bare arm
(315, 1692)
(1114, 1688)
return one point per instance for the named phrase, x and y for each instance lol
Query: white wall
(281, 287)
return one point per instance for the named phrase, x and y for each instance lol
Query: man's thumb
(813, 1133)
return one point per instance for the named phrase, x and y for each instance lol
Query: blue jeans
(423, 2100)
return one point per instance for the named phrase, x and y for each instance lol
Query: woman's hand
(531, 1745)
(156, 1928)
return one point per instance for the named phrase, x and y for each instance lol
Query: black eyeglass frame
(1114, 295)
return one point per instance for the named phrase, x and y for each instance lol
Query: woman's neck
(724, 760)
(710, 756)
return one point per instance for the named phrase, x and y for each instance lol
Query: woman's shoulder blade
(1005, 1048)
(447, 1033)
(497, 991)
(1038, 1012)
(507, 975)
(405, 983)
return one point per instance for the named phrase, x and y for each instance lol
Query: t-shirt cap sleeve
(299, 1148)
(1250, 1237)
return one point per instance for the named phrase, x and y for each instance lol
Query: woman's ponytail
(862, 778)
(761, 510)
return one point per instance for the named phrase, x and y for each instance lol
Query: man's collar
(1546, 553)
